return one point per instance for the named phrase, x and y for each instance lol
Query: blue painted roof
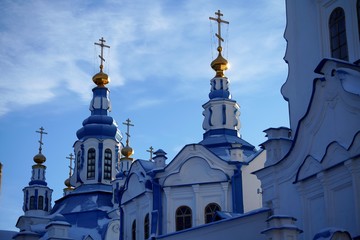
(221, 144)
(146, 164)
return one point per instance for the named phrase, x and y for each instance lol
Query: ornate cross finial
(101, 56)
(128, 124)
(151, 150)
(40, 141)
(71, 157)
(218, 34)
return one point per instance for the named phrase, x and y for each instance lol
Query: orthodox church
(307, 176)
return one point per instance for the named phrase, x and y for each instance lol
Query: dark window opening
(107, 164)
(32, 203)
(41, 203)
(183, 218)
(338, 41)
(210, 211)
(146, 227)
(133, 230)
(91, 164)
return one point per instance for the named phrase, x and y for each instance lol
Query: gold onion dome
(220, 64)
(101, 78)
(39, 158)
(67, 183)
(127, 151)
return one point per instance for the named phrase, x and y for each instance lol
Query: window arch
(146, 226)
(40, 203)
(210, 211)
(91, 163)
(183, 218)
(133, 230)
(337, 29)
(32, 203)
(107, 164)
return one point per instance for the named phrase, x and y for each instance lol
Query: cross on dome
(128, 124)
(71, 158)
(220, 64)
(40, 141)
(101, 56)
(151, 151)
(219, 21)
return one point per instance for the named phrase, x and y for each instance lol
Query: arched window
(146, 227)
(337, 30)
(183, 218)
(133, 230)
(78, 161)
(40, 203)
(107, 164)
(210, 211)
(91, 164)
(32, 203)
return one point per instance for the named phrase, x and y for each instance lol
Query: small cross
(101, 56)
(71, 157)
(40, 141)
(219, 21)
(151, 152)
(128, 124)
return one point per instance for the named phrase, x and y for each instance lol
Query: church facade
(307, 177)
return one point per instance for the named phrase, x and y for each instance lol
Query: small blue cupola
(37, 196)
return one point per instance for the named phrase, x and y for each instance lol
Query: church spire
(127, 151)
(101, 78)
(98, 145)
(38, 173)
(40, 158)
(220, 64)
(67, 183)
(221, 113)
(37, 196)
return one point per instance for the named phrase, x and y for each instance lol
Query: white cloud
(49, 45)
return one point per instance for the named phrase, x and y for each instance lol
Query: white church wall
(307, 35)
(247, 227)
(197, 197)
(252, 197)
(328, 200)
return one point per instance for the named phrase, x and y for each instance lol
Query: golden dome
(127, 151)
(101, 79)
(220, 64)
(39, 158)
(67, 183)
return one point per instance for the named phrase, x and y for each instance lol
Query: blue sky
(159, 65)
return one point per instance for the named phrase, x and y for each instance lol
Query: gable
(135, 183)
(195, 170)
(195, 164)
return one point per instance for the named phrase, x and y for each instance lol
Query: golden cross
(101, 56)
(128, 124)
(40, 141)
(151, 152)
(219, 21)
(71, 157)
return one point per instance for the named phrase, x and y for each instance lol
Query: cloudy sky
(159, 65)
